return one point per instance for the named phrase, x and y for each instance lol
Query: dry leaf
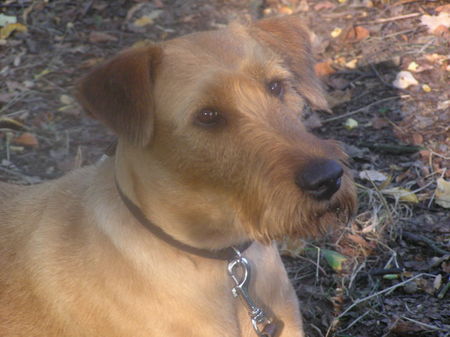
(324, 69)
(426, 88)
(442, 193)
(413, 66)
(372, 175)
(99, 37)
(285, 10)
(350, 124)
(66, 99)
(7, 19)
(401, 194)
(324, 5)
(443, 8)
(143, 21)
(336, 32)
(404, 80)
(434, 21)
(352, 64)
(27, 139)
(338, 97)
(355, 34)
(6, 31)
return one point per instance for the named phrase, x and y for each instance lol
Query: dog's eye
(276, 88)
(208, 117)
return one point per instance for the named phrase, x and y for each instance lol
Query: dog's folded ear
(290, 39)
(119, 93)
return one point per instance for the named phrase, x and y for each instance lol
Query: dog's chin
(305, 220)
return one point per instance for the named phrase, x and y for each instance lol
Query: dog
(174, 234)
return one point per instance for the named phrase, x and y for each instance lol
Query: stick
(420, 238)
(354, 112)
(395, 18)
(395, 286)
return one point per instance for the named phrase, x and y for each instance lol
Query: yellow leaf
(442, 193)
(426, 88)
(336, 32)
(352, 64)
(413, 66)
(401, 194)
(143, 21)
(6, 31)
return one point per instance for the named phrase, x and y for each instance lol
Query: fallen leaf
(7, 19)
(434, 21)
(401, 194)
(143, 21)
(379, 123)
(417, 139)
(285, 10)
(99, 37)
(336, 32)
(437, 282)
(442, 31)
(443, 105)
(372, 175)
(442, 193)
(350, 124)
(12, 124)
(66, 99)
(6, 31)
(426, 88)
(355, 34)
(27, 139)
(334, 259)
(413, 66)
(324, 5)
(443, 8)
(324, 68)
(338, 97)
(404, 80)
(352, 64)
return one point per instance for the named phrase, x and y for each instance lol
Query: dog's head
(219, 113)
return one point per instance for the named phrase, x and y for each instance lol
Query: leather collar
(226, 254)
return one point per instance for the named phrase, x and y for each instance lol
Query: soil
(394, 275)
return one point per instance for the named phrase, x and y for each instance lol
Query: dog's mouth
(297, 214)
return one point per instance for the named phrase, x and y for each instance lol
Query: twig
(395, 286)
(428, 326)
(354, 112)
(393, 148)
(430, 243)
(355, 321)
(395, 18)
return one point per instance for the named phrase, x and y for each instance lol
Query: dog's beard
(286, 211)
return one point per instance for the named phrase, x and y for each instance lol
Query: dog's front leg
(274, 291)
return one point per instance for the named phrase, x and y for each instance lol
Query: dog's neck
(201, 219)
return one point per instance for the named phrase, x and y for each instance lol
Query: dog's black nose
(320, 178)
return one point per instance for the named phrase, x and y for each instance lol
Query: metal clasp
(240, 272)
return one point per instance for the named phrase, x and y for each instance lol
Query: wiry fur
(76, 263)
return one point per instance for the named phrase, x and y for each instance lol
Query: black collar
(226, 254)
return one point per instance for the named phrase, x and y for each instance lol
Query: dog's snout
(320, 178)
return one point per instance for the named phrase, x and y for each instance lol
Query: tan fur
(74, 261)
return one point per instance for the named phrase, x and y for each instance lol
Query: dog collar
(227, 254)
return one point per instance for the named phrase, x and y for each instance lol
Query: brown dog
(211, 154)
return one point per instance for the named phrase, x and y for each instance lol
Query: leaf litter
(387, 272)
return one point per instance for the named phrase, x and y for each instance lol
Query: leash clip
(240, 272)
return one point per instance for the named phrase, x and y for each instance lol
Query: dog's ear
(290, 39)
(119, 93)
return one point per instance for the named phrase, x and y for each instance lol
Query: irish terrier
(212, 165)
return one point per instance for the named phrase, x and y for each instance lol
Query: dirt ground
(387, 274)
